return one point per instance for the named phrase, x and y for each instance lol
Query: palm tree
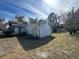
(19, 19)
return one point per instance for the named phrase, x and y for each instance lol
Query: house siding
(41, 30)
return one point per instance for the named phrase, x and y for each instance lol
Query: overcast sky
(35, 8)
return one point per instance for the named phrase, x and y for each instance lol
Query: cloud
(62, 5)
(16, 9)
(37, 8)
(29, 6)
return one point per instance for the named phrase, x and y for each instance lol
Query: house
(2, 27)
(19, 28)
(15, 27)
(40, 29)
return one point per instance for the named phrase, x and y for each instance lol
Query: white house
(40, 29)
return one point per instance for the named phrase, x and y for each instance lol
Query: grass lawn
(62, 46)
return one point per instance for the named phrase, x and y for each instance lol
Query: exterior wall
(44, 30)
(2, 26)
(41, 30)
(32, 29)
(25, 28)
(16, 30)
(19, 29)
(29, 29)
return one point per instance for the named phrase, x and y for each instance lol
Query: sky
(35, 8)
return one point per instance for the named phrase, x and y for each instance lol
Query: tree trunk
(70, 33)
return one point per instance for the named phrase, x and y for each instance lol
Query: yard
(60, 46)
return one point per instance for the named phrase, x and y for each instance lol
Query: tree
(33, 20)
(19, 19)
(72, 21)
(52, 18)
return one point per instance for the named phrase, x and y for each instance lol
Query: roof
(42, 22)
(18, 25)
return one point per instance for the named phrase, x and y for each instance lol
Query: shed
(40, 29)
(44, 29)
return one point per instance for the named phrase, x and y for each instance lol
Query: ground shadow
(29, 44)
(75, 34)
(7, 36)
(60, 31)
